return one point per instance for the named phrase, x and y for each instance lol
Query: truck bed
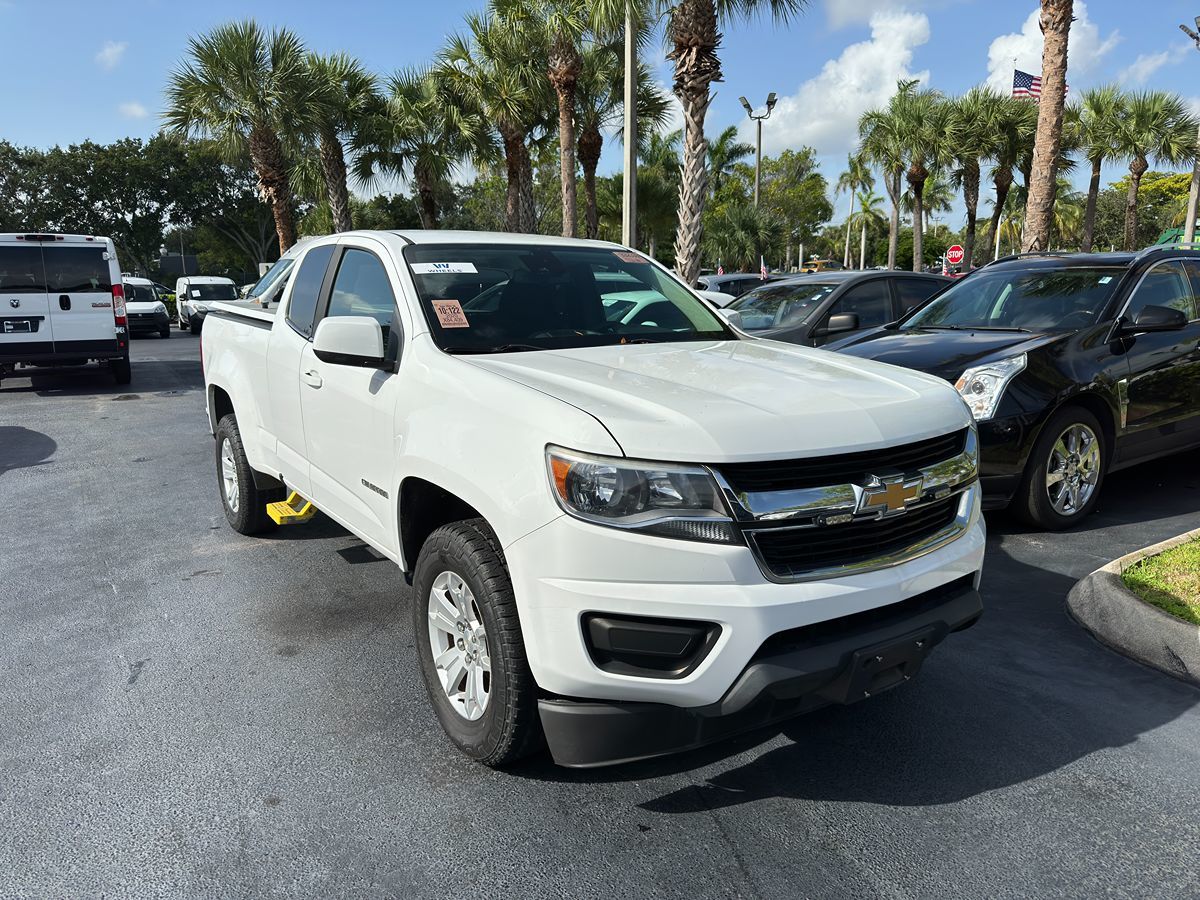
(246, 310)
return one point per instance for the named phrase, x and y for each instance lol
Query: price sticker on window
(626, 256)
(450, 314)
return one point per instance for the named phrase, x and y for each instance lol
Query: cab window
(1166, 284)
(306, 288)
(362, 288)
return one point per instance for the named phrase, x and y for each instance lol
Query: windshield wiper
(974, 328)
(503, 348)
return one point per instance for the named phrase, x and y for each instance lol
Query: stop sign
(955, 255)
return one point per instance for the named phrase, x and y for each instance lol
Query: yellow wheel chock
(295, 510)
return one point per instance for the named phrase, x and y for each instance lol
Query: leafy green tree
(880, 143)
(740, 234)
(925, 133)
(795, 191)
(857, 177)
(723, 154)
(973, 118)
(1095, 120)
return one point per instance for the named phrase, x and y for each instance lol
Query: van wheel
(121, 370)
(244, 504)
(184, 324)
(165, 332)
(469, 645)
(1065, 471)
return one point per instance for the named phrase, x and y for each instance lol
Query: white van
(195, 294)
(145, 309)
(62, 302)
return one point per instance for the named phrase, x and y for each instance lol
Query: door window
(1166, 285)
(306, 287)
(362, 288)
(871, 302)
(915, 291)
(21, 270)
(1192, 266)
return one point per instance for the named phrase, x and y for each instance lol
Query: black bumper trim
(865, 659)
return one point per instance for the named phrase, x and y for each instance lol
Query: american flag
(720, 268)
(1026, 85)
(762, 268)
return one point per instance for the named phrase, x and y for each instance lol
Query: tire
(122, 371)
(1084, 465)
(508, 727)
(184, 324)
(165, 333)
(247, 511)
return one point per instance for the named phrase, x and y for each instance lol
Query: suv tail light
(118, 301)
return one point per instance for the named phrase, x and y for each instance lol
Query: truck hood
(944, 353)
(731, 401)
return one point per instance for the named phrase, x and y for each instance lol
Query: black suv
(1074, 365)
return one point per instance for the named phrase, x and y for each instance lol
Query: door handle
(313, 378)
(64, 302)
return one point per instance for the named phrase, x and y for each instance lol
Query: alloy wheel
(458, 642)
(1073, 470)
(229, 476)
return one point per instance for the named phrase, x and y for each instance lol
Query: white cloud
(1085, 49)
(110, 54)
(133, 110)
(823, 113)
(1139, 71)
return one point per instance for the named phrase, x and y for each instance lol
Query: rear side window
(1164, 285)
(306, 288)
(21, 270)
(77, 270)
(871, 302)
(915, 291)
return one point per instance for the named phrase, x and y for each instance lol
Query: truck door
(79, 295)
(26, 331)
(349, 411)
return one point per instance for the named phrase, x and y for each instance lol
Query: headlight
(160, 307)
(983, 386)
(651, 498)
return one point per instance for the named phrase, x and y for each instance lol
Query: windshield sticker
(444, 268)
(626, 256)
(1106, 279)
(450, 314)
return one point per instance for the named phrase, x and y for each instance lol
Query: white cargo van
(61, 303)
(195, 294)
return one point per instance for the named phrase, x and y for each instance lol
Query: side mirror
(732, 316)
(350, 341)
(1155, 318)
(840, 323)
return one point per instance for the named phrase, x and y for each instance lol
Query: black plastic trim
(646, 646)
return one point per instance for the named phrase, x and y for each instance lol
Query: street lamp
(758, 120)
(1189, 230)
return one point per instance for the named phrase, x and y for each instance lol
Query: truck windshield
(482, 298)
(780, 305)
(1041, 299)
(212, 292)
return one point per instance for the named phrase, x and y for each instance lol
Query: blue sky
(85, 70)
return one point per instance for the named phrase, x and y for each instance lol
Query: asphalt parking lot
(188, 712)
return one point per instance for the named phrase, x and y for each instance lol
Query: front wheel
(469, 645)
(244, 503)
(1065, 471)
(165, 331)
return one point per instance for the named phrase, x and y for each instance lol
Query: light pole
(1189, 229)
(629, 188)
(758, 120)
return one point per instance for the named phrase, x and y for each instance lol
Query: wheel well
(220, 404)
(424, 508)
(1103, 413)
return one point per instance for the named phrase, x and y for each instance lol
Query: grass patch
(1170, 581)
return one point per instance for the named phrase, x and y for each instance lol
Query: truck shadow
(1024, 693)
(21, 448)
(149, 376)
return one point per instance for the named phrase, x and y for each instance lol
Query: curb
(1120, 619)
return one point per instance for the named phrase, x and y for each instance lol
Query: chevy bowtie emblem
(14, 303)
(888, 495)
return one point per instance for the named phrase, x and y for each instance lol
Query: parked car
(195, 295)
(147, 314)
(1073, 365)
(62, 302)
(816, 309)
(631, 537)
(733, 283)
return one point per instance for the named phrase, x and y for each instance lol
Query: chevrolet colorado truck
(630, 528)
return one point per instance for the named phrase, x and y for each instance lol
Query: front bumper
(842, 661)
(147, 323)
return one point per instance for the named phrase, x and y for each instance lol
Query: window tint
(1193, 269)
(871, 302)
(21, 270)
(915, 291)
(362, 288)
(306, 286)
(212, 292)
(781, 305)
(1164, 285)
(140, 293)
(77, 270)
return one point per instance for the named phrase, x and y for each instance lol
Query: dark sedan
(732, 283)
(822, 307)
(1073, 366)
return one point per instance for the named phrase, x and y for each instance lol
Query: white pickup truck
(628, 531)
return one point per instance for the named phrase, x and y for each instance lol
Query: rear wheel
(245, 504)
(121, 370)
(469, 645)
(184, 322)
(1065, 471)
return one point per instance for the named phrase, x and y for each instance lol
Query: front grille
(847, 468)
(795, 552)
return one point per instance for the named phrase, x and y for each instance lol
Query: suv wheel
(1065, 471)
(469, 645)
(244, 504)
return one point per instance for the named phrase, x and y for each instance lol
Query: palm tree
(344, 91)
(1154, 124)
(723, 154)
(856, 177)
(869, 215)
(1068, 219)
(414, 132)
(925, 134)
(1095, 120)
(879, 143)
(973, 116)
(694, 35)
(658, 186)
(249, 90)
(1039, 214)
(493, 75)
(1013, 125)
(742, 234)
(938, 197)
